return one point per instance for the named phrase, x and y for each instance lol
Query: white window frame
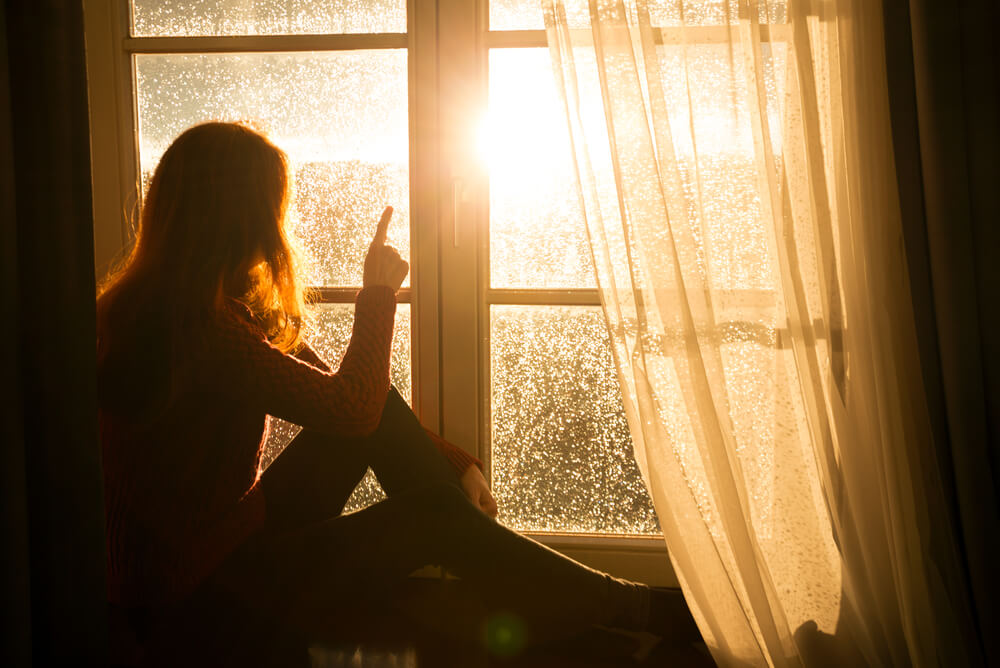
(448, 45)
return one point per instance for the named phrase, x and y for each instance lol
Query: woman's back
(180, 459)
(180, 447)
(194, 336)
(180, 477)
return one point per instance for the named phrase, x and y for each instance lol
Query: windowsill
(639, 558)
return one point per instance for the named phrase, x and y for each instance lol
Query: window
(447, 110)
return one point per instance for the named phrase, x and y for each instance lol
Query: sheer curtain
(736, 177)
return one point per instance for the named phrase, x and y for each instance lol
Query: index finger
(382, 228)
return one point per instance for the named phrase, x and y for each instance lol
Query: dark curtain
(52, 588)
(944, 82)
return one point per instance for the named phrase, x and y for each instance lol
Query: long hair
(212, 228)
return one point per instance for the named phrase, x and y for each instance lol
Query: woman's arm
(247, 368)
(242, 366)
(309, 356)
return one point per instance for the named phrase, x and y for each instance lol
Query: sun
(524, 130)
(511, 141)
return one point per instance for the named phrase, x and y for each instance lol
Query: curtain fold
(944, 82)
(53, 599)
(737, 181)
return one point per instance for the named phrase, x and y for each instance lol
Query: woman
(199, 339)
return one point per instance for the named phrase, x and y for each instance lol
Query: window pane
(527, 14)
(266, 17)
(340, 116)
(706, 101)
(537, 234)
(516, 15)
(329, 335)
(561, 451)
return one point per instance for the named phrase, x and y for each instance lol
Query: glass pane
(704, 90)
(527, 14)
(340, 116)
(672, 13)
(562, 456)
(516, 15)
(537, 234)
(266, 17)
(329, 334)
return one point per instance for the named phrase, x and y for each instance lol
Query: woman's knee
(313, 478)
(394, 404)
(441, 498)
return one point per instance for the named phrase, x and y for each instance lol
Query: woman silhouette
(199, 340)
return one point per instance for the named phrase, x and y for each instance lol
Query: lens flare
(506, 635)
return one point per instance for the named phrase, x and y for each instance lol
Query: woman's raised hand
(383, 266)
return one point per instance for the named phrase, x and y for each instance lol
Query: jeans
(311, 564)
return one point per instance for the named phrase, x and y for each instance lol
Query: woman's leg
(401, 454)
(360, 557)
(314, 476)
(311, 480)
(311, 564)
(426, 520)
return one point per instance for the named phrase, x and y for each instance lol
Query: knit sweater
(182, 490)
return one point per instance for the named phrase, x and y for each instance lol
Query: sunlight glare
(523, 134)
(511, 141)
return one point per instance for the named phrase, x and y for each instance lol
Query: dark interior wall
(14, 625)
(53, 588)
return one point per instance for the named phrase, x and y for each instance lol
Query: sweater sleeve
(459, 459)
(309, 356)
(244, 367)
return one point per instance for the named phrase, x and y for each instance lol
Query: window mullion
(461, 91)
(265, 43)
(425, 271)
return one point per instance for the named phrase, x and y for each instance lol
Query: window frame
(115, 150)
(465, 308)
(448, 44)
